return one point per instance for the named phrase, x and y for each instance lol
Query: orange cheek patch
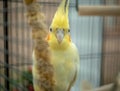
(69, 38)
(48, 37)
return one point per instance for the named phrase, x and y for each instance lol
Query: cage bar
(99, 10)
(6, 47)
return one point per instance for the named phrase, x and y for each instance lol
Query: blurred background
(97, 39)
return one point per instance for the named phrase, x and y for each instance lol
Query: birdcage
(95, 29)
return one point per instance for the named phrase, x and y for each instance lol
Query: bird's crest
(60, 19)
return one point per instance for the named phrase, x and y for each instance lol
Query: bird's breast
(64, 66)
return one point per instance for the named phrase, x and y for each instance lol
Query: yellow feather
(65, 63)
(60, 19)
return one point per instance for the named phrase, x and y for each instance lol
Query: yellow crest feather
(60, 19)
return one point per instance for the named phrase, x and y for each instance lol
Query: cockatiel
(60, 58)
(65, 57)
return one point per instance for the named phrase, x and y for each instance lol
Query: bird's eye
(50, 29)
(68, 30)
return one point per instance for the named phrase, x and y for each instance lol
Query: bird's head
(59, 29)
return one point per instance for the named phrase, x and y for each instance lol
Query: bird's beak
(60, 35)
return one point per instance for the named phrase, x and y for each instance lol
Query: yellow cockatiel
(65, 57)
(55, 56)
